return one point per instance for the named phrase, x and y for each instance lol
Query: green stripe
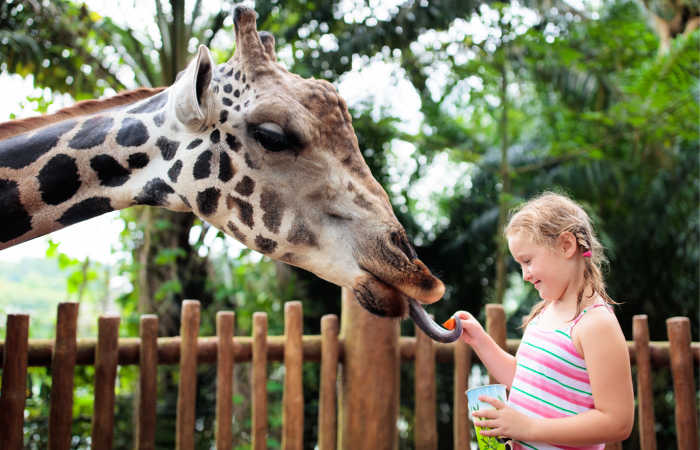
(556, 356)
(526, 445)
(543, 400)
(561, 332)
(554, 379)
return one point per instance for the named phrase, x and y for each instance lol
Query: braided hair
(544, 218)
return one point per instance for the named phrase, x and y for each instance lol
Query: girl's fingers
(485, 414)
(496, 403)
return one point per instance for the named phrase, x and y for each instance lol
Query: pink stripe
(534, 380)
(535, 407)
(528, 353)
(558, 340)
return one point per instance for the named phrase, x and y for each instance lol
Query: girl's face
(551, 270)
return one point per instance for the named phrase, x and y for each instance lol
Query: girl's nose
(526, 275)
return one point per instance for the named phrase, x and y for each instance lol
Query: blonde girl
(570, 381)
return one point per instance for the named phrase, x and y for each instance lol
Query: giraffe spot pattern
(159, 119)
(273, 206)
(194, 144)
(174, 171)
(363, 203)
(87, 209)
(236, 232)
(232, 142)
(208, 201)
(137, 160)
(58, 179)
(215, 136)
(109, 171)
(223, 116)
(20, 151)
(14, 218)
(226, 170)
(245, 210)
(167, 147)
(249, 161)
(132, 133)
(92, 133)
(154, 193)
(228, 88)
(300, 234)
(265, 245)
(227, 101)
(246, 186)
(153, 104)
(202, 167)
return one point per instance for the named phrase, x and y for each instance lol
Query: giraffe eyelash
(273, 138)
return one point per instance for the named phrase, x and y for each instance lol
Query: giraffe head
(276, 164)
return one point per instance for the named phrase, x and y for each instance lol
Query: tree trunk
(505, 194)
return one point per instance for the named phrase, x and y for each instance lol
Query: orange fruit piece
(449, 323)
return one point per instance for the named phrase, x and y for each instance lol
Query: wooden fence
(188, 350)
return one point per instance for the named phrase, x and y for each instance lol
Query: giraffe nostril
(399, 240)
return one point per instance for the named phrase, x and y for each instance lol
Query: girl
(570, 380)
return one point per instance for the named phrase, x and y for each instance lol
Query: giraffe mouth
(383, 299)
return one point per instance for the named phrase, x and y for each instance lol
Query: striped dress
(550, 379)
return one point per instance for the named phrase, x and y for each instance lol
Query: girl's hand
(471, 328)
(503, 421)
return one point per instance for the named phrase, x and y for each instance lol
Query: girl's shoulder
(596, 322)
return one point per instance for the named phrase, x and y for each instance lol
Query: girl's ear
(567, 244)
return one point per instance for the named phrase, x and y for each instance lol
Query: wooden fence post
(369, 393)
(187, 389)
(460, 420)
(678, 329)
(496, 327)
(148, 383)
(62, 376)
(258, 381)
(106, 356)
(14, 381)
(293, 395)
(645, 395)
(224, 380)
(327, 423)
(425, 428)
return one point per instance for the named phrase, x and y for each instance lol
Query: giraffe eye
(272, 137)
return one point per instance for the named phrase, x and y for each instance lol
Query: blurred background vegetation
(466, 109)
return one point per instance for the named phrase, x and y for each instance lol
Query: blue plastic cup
(491, 390)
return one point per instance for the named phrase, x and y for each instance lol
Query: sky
(98, 238)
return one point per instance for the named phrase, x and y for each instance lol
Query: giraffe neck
(84, 166)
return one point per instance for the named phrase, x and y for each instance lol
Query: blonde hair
(544, 218)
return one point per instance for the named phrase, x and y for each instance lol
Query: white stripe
(560, 402)
(551, 373)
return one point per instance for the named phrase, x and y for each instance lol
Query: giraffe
(266, 156)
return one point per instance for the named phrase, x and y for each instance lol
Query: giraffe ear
(192, 89)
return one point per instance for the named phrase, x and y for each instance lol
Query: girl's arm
(499, 363)
(611, 419)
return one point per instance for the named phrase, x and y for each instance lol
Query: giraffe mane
(84, 107)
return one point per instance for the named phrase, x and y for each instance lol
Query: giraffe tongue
(428, 325)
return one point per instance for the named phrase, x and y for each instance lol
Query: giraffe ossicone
(264, 155)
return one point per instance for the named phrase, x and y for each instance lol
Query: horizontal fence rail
(188, 350)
